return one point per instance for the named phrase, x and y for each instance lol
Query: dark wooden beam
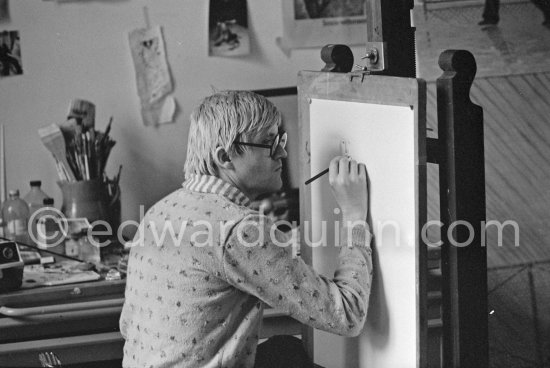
(276, 92)
(389, 23)
(462, 201)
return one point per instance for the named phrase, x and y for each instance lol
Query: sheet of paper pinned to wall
(4, 10)
(228, 28)
(10, 54)
(152, 75)
(315, 23)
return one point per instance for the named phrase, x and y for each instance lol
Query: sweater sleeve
(258, 260)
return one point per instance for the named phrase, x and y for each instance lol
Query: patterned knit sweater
(202, 267)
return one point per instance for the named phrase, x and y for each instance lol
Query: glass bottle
(35, 200)
(35, 197)
(49, 234)
(15, 213)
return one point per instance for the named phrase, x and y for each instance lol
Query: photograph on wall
(228, 28)
(152, 75)
(10, 54)
(315, 23)
(4, 10)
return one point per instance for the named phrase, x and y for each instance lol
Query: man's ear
(222, 159)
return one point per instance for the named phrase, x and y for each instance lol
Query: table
(79, 323)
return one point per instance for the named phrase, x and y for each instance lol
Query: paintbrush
(344, 147)
(316, 176)
(52, 138)
(106, 134)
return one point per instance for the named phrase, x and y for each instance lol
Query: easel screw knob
(372, 55)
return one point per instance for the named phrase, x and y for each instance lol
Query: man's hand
(348, 180)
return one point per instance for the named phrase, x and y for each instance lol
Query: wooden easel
(383, 120)
(459, 153)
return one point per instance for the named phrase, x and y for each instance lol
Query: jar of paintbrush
(81, 153)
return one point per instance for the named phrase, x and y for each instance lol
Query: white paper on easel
(383, 138)
(152, 74)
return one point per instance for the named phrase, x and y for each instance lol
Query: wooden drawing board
(382, 119)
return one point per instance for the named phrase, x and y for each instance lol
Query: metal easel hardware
(375, 61)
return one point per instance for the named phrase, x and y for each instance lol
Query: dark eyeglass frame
(281, 137)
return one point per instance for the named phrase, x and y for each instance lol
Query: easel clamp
(376, 60)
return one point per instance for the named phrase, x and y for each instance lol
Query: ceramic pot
(90, 199)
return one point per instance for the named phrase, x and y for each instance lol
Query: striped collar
(213, 184)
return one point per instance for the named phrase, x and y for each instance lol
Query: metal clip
(362, 68)
(360, 71)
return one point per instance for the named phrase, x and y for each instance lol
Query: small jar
(71, 246)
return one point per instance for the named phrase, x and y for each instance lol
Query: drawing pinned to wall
(153, 76)
(4, 10)
(228, 28)
(315, 23)
(10, 54)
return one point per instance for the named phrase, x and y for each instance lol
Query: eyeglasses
(278, 141)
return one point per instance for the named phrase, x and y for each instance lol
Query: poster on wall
(4, 10)
(152, 75)
(10, 54)
(228, 28)
(316, 23)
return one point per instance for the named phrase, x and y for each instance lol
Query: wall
(79, 49)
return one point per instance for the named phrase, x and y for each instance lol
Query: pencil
(317, 176)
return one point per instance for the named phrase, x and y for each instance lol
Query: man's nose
(280, 153)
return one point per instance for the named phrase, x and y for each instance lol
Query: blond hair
(221, 119)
